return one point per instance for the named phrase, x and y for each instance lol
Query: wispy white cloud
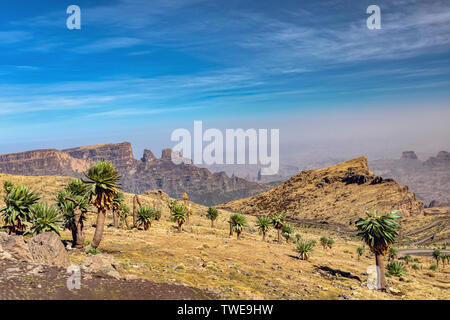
(108, 44)
(11, 37)
(132, 112)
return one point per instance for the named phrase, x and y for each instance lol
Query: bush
(396, 268)
(145, 216)
(304, 249)
(93, 251)
(392, 254)
(407, 258)
(415, 266)
(238, 223)
(286, 231)
(433, 267)
(45, 218)
(212, 214)
(324, 242)
(330, 243)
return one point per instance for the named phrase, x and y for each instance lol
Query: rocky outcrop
(429, 180)
(42, 162)
(102, 263)
(408, 155)
(441, 160)
(47, 248)
(119, 154)
(137, 176)
(14, 247)
(338, 194)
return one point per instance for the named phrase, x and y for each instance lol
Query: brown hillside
(338, 194)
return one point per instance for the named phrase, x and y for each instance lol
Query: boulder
(14, 247)
(102, 263)
(47, 248)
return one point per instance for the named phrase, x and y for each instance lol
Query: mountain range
(429, 179)
(138, 176)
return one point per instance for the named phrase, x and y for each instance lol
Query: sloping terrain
(337, 194)
(208, 259)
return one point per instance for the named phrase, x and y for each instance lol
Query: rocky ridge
(338, 194)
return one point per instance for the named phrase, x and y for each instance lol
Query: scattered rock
(15, 247)
(47, 248)
(102, 263)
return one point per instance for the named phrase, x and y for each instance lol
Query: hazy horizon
(137, 70)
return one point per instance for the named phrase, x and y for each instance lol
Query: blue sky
(139, 69)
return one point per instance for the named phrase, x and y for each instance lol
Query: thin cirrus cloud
(12, 37)
(108, 44)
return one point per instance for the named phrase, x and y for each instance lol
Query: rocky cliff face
(42, 162)
(338, 194)
(138, 176)
(120, 154)
(429, 179)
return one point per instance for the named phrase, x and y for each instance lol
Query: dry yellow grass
(208, 258)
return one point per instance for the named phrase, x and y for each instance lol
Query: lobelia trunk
(79, 235)
(115, 219)
(74, 235)
(231, 228)
(136, 203)
(279, 235)
(238, 234)
(212, 223)
(380, 272)
(99, 228)
(264, 236)
(179, 226)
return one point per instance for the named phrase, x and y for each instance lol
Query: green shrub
(433, 267)
(212, 215)
(238, 223)
(415, 266)
(324, 242)
(286, 231)
(93, 251)
(392, 254)
(360, 251)
(45, 218)
(396, 268)
(330, 243)
(304, 249)
(179, 214)
(263, 224)
(17, 210)
(145, 216)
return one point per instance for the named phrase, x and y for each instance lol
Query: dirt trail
(431, 225)
(420, 252)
